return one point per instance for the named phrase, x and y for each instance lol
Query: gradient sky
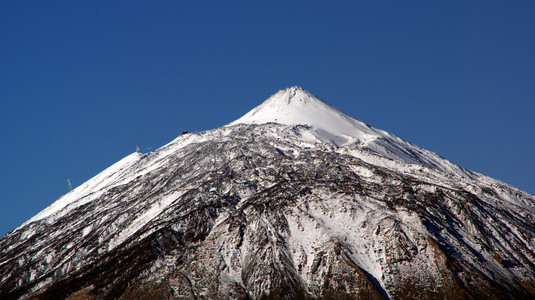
(83, 82)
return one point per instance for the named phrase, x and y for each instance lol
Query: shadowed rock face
(254, 213)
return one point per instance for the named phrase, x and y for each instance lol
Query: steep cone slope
(295, 106)
(273, 210)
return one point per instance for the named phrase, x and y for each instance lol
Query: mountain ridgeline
(294, 200)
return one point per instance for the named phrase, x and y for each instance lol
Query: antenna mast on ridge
(137, 149)
(69, 184)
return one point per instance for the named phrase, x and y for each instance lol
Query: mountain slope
(267, 208)
(295, 106)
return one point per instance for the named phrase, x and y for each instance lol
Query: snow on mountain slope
(90, 190)
(297, 199)
(295, 106)
(291, 106)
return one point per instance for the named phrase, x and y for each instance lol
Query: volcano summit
(294, 200)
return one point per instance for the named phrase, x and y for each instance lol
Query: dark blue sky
(83, 82)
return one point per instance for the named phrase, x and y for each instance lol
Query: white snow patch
(27, 234)
(146, 217)
(49, 257)
(346, 225)
(87, 230)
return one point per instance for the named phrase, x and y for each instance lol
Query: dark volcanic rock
(265, 212)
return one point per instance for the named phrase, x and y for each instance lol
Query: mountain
(294, 200)
(295, 106)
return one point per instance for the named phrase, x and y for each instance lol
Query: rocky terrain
(279, 204)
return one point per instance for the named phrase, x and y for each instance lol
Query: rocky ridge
(262, 209)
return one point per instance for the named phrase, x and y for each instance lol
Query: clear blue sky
(83, 82)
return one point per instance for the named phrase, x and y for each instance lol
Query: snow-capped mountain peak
(296, 106)
(295, 200)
